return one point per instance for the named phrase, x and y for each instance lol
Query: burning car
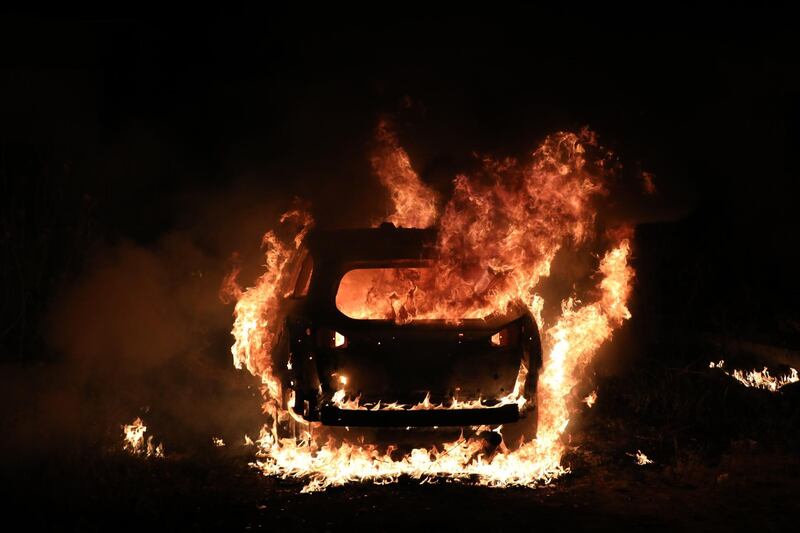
(389, 328)
(357, 350)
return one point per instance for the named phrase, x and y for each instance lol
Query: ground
(118, 492)
(742, 485)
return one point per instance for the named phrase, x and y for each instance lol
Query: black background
(139, 152)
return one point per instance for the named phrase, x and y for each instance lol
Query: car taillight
(506, 336)
(339, 340)
(329, 338)
(497, 339)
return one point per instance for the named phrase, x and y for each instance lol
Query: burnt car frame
(382, 361)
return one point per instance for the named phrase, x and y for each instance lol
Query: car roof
(383, 243)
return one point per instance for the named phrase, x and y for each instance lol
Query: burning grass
(759, 379)
(135, 442)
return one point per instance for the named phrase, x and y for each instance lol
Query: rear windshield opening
(403, 294)
(383, 293)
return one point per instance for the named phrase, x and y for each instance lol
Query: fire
(135, 443)
(590, 399)
(341, 400)
(640, 458)
(498, 236)
(257, 308)
(759, 379)
(415, 203)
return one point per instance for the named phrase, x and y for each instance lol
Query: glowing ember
(135, 442)
(498, 236)
(641, 459)
(648, 183)
(759, 379)
(591, 399)
(218, 442)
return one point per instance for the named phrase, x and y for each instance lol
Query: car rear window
(401, 294)
(382, 293)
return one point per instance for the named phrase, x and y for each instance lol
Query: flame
(759, 379)
(640, 458)
(591, 399)
(218, 442)
(414, 202)
(257, 308)
(341, 400)
(135, 443)
(498, 236)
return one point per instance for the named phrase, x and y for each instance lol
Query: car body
(403, 374)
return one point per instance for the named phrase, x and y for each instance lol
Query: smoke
(141, 332)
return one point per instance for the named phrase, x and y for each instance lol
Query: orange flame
(498, 236)
(590, 399)
(135, 443)
(414, 202)
(640, 458)
(257, 308)
(759, 379)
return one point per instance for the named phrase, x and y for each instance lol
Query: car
(342, 365)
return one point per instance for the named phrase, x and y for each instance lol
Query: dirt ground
(749, 487)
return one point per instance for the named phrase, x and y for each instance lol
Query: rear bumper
(334, 416)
